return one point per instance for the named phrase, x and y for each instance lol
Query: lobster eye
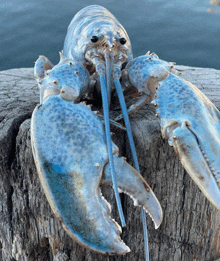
(94, 39)
(122, 40)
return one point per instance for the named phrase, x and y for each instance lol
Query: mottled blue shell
(86, 23)
(70, 152)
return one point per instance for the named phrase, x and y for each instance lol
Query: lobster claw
(130, 182)
(192, 150)
(193, 131)
(188, 119)
(70, 153)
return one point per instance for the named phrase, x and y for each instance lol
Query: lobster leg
(135, 107)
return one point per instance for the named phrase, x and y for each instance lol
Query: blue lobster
(73, 152)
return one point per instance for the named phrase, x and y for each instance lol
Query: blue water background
(180, 31)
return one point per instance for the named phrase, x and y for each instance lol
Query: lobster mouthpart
(69, 147)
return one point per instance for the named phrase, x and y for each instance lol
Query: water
(181, 31)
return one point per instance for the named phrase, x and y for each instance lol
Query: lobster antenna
(134, 155)
(109, 144)
(109, 65)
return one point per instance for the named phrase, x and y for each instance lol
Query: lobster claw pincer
(188, 119)
(69, 148)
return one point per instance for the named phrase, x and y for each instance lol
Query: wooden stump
(30, 231)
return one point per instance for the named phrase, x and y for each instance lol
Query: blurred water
(180, 31)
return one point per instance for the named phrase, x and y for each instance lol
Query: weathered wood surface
(30, 231)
